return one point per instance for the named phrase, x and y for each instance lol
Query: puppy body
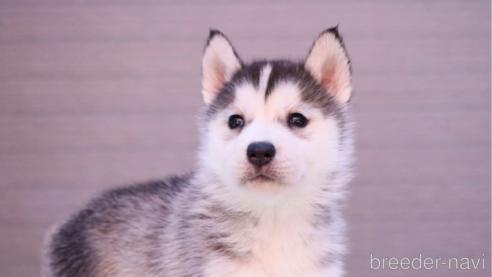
(274, 160)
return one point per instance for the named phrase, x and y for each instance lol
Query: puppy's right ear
(219, 63)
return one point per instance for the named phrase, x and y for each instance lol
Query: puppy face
(274, 127)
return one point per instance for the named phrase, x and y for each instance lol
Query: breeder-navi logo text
(428, 263)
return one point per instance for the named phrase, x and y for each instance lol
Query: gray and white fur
(274, 160)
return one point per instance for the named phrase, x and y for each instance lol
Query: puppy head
(275, 127)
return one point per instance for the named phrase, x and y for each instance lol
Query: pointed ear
(219, 63)
(329, 63)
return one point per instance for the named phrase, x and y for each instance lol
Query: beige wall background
(96, 94)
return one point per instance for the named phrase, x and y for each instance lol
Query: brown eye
(235, 121)
(297, 120)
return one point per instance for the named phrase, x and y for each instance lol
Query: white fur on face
(304, 156)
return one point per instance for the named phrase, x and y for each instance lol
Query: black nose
(260, 153)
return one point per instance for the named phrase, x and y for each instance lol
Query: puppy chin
(262, 184)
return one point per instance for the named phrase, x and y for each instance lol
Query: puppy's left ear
(219, 63)
(329, 64)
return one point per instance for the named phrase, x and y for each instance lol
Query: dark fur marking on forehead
(282, 70)
(312, 92)
(249, 73)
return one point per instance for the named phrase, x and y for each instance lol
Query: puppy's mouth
(261, 175)
(262, 178)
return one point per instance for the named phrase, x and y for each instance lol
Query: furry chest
(272, 251)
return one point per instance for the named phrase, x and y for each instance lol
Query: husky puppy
(264, 200)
